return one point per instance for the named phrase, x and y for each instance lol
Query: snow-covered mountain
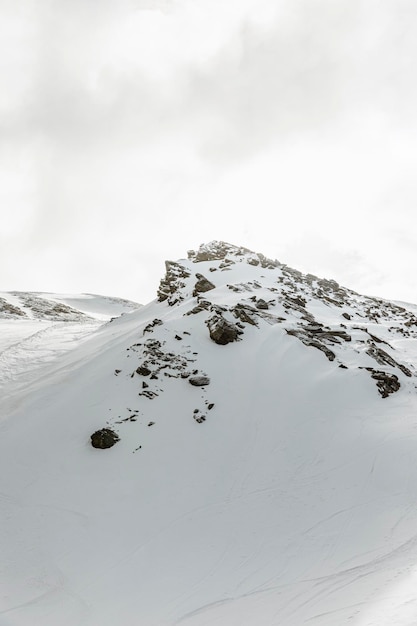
(262, 467)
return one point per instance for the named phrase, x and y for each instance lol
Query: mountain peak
(220, 250)
(252, 429)
(232, 287)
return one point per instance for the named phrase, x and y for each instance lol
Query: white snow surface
(293, 502)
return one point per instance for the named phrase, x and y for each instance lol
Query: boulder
(199, 381)
(202, 285)
(221, 331)
(104, 438)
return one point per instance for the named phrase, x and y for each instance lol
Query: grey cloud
(312, 69)
(313, 66)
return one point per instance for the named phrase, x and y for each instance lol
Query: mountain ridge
(254, 479)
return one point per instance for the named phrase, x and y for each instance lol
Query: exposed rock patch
(104, 438)
(221, 331)
(386, 383)
(171, 285)
(199, 381)
(202, 285)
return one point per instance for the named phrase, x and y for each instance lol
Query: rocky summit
(233, 291)
(239, 451)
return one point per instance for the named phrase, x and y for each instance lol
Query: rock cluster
(172, 283)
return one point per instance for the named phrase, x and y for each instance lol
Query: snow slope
(280, 492)
(37, 328)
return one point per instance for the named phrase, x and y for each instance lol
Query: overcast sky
(134, 130)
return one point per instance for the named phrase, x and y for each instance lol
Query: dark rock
(202, 285)
(143, 370)
(199, 381)
(242, 313)
(383, 358)
(221, 331)
(149, 328)
(386, 383)
(171, 284)
(261, 304)
(346, 316)
(210, 406)
(308, 340)
(149, 394)
(151, 423)
(104, 438)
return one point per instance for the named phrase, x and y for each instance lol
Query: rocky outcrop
(318, 336)
(386, 383)
(383, 358)
(172, 283)
(8, 310)
(215, 251)
(202, 285)
(221, 331)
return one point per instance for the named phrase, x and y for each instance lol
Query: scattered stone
(149, 394)
(143, 370)
(346, 316)
(104, 438)
(151, 423)
(178, 338)
(117, 372)
(199, 381)
(210, 406)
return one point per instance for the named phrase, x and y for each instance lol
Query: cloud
(98, 82)
(206, 115)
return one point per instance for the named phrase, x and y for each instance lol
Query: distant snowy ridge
(61, 307)
(38, 328)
